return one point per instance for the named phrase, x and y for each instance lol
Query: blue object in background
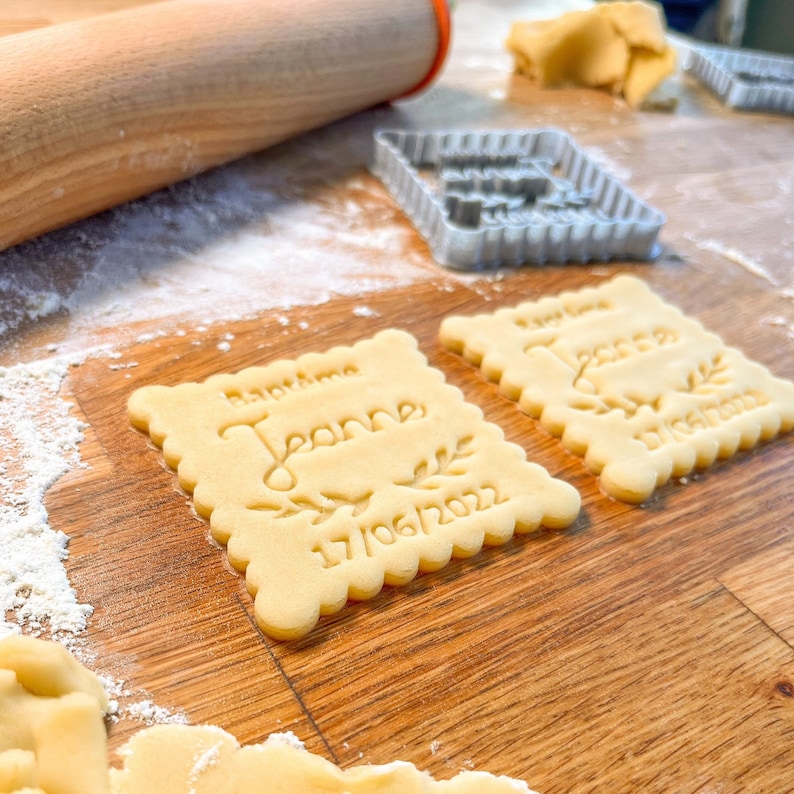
(683, 15)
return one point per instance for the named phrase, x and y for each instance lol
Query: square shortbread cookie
(335, 473)
(642, 392)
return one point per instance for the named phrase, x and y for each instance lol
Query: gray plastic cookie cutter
(746, 79)
(488, 198)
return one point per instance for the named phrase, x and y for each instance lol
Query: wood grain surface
(643, 649)
(614, 653)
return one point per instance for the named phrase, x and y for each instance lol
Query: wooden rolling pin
(100, 111)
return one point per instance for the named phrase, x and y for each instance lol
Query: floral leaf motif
(443, 463)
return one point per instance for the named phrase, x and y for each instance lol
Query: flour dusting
(205, 761)
(600, 157)
(41, 438)
(226, 246)
(150, 714)
(41, 443)
(287, 738)
(733, 255)
(25, 303)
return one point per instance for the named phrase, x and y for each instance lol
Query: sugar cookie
(335, 473)
(627, 381)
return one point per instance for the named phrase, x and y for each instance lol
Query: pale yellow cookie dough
(640, 23)
(175, 759)
(335, 473)
(641, 391)
(53, 741)
(581, 48)
(618, 46)
(52, 732)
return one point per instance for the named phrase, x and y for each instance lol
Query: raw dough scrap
(52, 731)
(581, 48)
(618, 46)
(165, 758)
(646, 72)
(640, 23)
(53, 741)
(335, 473)
(642, 392)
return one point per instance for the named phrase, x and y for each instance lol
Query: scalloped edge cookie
(627, 381)
(333, 474)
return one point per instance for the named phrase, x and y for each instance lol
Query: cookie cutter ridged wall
(582, 215)
(745, 80)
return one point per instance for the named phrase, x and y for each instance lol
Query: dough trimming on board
(53, 741)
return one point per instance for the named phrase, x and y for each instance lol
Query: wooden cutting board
(644, 649)
(637, 649)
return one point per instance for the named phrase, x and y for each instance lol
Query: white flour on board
(41, 439)
(225, 246)
(41, 443)
(752, 266)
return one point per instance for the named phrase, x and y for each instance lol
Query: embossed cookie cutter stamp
(745, 80)
(489, 198)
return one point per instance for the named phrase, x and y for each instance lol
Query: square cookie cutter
(487, 198)
(745, 80)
